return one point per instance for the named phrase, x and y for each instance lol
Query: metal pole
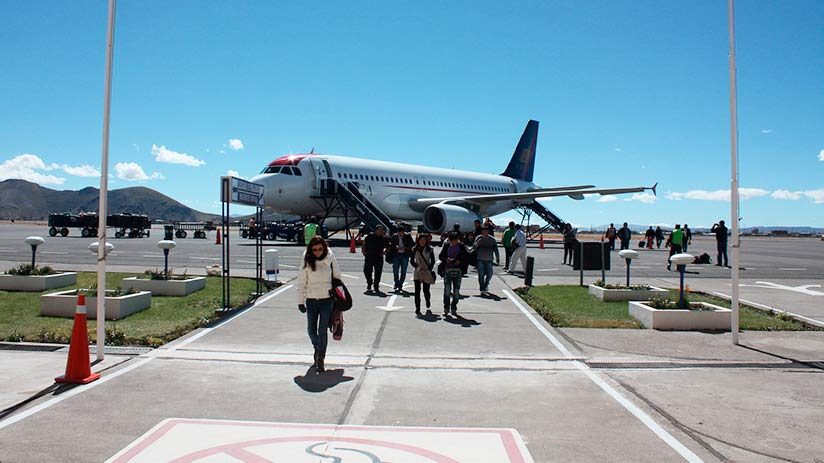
(166, 263)
(734, 181)
(104, 187)
(629, 261)
(681, 269)
(33, 254)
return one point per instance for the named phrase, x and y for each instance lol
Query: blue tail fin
(522, 164)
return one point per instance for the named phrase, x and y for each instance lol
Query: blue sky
(627, 93)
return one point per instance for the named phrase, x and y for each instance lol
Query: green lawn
(574, 307)
(168, 318)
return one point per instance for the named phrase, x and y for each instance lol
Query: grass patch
(167, 319)
(574, 307)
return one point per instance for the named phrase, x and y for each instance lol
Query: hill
(24, 200)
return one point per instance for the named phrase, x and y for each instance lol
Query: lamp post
(34, 241)
(681, 260)
(166, 246)
(628, 255)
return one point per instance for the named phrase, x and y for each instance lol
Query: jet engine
(439, 218)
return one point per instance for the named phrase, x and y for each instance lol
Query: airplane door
(315, 177)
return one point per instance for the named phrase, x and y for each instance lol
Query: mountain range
(24, 200)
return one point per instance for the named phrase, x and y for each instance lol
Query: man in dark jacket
(625, 235)
(720, 231)
(374, 247)
(452, 255)
(400, 247)
(687, 238)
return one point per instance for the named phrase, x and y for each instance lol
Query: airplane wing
(574, 193)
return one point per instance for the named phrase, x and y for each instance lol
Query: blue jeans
(484, 274)
(318, 314)
(452, 289)
(399, 265)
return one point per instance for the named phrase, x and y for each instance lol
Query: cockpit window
(271, 170)
(286, 170)
(296, 171)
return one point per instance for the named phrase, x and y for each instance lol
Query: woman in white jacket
(314, 284)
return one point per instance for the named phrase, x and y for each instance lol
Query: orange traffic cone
(217, 237)
(352, 246)
(78, 368)
(541, 242)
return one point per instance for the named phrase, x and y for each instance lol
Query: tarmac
(495, 384)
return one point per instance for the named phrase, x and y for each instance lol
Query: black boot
(321, 360)
(315, 357)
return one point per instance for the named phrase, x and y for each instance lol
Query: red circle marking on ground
(239, 449)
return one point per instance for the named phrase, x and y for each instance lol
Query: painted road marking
(547, 269)
(791, 269)
(390, 306)
(287, 266)
(662, 433)
(54, 252)
(350, 276)
(185, 441)
(803, 289)
(144, 359)
(204, 258)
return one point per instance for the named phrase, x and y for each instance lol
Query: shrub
(602, 284)
(15, 336)
(115, 337)
(158, 274)
(28, 270)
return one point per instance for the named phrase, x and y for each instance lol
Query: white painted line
(152, 255)
(143, 360)
(547, 269)
(287, 266)
(53, 252)
(350, 276)
(558, 345)
(204, 258)
(662, 433)
(390, 306)
(791, 269)
(767, 308)
(73, 392)
(246, 261)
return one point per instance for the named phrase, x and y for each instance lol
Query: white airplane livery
(308, 184)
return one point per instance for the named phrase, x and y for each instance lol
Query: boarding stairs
(353, 200)
(552, 220)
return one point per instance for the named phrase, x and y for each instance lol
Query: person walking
(477, 228)
(625, 235)
(507, 241)
(676, 239)
(659, 236)
(485, 248)
(400, 246)
(650, 236)
(314, 283)
(423, 260)
(720, 231)
(374, 249)
(519, 252)
(687, 238)
(451, 256)
(611, 234)
(569, 243)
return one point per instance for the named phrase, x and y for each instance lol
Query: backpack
(703, 259)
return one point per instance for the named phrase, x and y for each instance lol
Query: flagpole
(734, 216)
(104, 188)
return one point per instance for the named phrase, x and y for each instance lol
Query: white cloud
(787, 194)
(235, 144)
(26, 167)
(821, 155)
(618, 149)
(816, 195)
(132, 172)
(766, 131)
(163, 154)
(84, 170)
(718, 195)
(646, 198)
(222, 152)
(234, 173)
(606, 199)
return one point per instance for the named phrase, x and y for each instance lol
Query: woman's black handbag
(342, 299)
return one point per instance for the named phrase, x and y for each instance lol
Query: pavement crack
(366, 366)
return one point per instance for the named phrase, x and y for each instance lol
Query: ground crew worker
(611, 234)
(507, 241)
(675, 241)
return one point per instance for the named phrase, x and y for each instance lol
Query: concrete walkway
(495, 384)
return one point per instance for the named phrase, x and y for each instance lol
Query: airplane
(301, 184)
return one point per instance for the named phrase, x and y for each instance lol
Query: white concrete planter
(716, 319)
(36, 283)
(64, 303)
(611, 295)
(166, 287)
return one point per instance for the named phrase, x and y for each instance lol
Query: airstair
(552, 220)
(349, 198)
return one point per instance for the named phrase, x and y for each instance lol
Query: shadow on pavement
(459, 320)
(318, 382)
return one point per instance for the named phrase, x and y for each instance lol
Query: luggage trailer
(125, 225)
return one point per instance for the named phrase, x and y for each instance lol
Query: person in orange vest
(611, 234)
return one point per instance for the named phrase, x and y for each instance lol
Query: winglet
(654, 189)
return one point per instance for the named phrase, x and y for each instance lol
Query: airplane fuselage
(392, 186)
